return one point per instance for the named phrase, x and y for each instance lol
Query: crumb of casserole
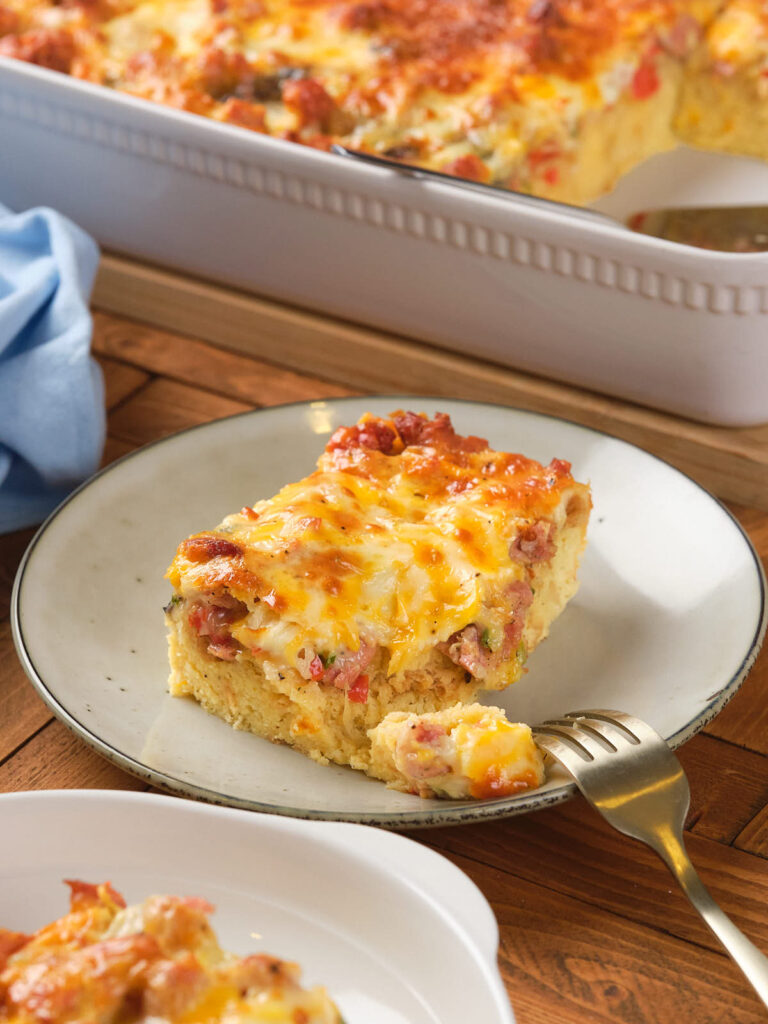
(464, 752)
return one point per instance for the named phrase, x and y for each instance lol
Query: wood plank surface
(593, 930)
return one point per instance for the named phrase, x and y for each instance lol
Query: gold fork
(629, 774)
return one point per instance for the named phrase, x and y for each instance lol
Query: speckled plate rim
(444, 814)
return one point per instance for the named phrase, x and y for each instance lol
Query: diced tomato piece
(645, 81)
(470, 167)
(543, 154)
(358, 691)
(244, 114)
(551, 175)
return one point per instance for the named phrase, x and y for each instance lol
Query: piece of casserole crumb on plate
(467, 751)
(412, 569)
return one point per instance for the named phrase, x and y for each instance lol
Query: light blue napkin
(51, 389)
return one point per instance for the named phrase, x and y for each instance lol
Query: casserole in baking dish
(537, 289)
(554, 97)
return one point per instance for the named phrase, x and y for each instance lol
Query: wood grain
(164, 407)
(55, 758)
(576, 852)
(731, 462)
(553, 973)
(24, 714)
(120, 381)
(190, 362)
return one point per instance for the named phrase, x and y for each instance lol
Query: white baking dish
(679, 328)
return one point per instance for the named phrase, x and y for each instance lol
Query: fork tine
(593, 727)
(568, 756)
(588, 743)
(635, 729)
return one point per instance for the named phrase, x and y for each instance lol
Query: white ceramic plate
(378, 918)
(666, 624)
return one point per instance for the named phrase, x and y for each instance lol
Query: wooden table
(593, 929)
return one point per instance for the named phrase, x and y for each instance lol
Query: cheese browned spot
(412, 568)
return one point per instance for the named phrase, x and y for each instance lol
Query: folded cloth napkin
(51, 389)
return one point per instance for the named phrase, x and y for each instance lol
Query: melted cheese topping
(494, 90)
(151, 962)
(396, 551)
(739, 37)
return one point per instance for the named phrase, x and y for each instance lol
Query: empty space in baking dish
(688, 177)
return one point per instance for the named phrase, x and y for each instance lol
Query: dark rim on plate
(444, 814)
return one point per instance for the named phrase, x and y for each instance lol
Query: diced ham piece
(533, 543)
(466, 648)
(348, 665)
(316, 668)
(226, 649)
(213, 619)
(520, 600)
(424, 751)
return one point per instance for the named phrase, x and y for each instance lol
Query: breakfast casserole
(156, 962)
(554, 97)
(412, 569)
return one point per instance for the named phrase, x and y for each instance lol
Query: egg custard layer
(156, 962)
(413, 568)
(553, 97)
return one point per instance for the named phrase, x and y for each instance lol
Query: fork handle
(747, 956)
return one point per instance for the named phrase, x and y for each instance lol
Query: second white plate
(666, 624)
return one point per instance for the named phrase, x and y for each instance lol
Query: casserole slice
(411, 569)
